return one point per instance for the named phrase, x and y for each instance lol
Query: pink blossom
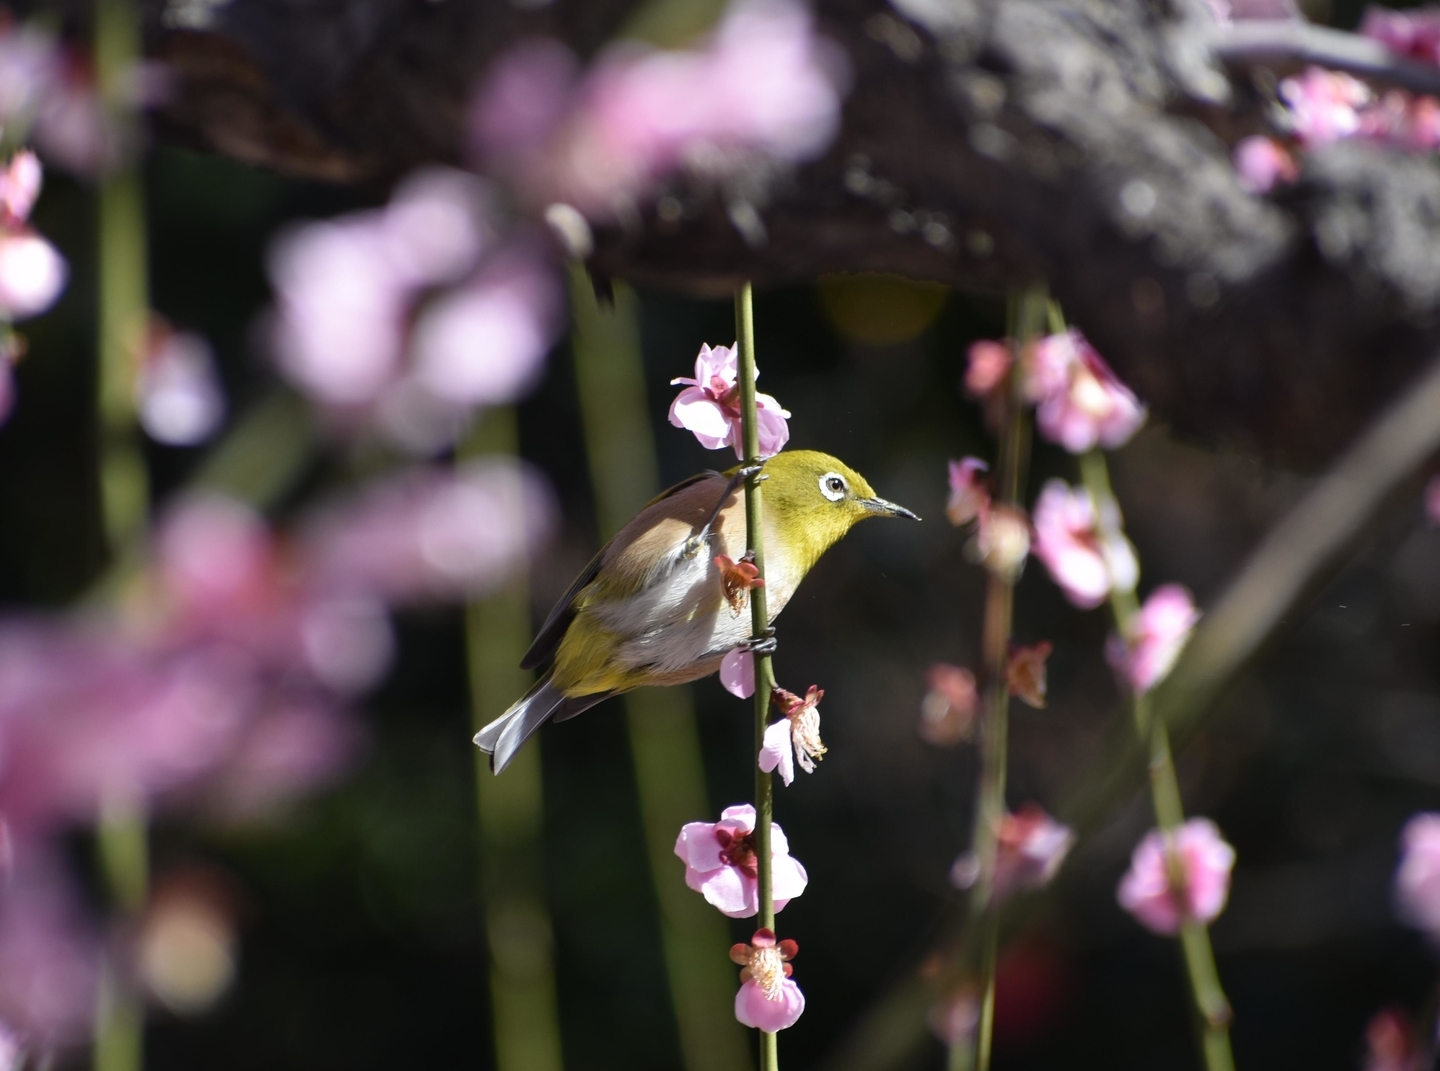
(1079, 401)
(795, 736)
(1083, 548)
(49, 959)
(1002, 540)
(1417, 881)
(1204, 860)
(29, 62)
(709, 406)
(720, 862)
(737, 673)
(178, 395)
(947, 713)
(430, 533)
(32, 274)
(1030, 848)
(1263, 162)
(1324, 106)
(969, 491)
(1391, 1043)
(1157, 635)
(485, 343)
(11, 1051)
(20, 185)
(754, 1008)
(1414, 32)
(768, 998)
(763, 85)
(988, 363)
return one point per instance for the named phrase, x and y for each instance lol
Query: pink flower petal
(730, 891)
(697, 846)
(779, 751)
(32, 274)
(787, 877)
(695, 411)
(737, 674)
(754, 1009)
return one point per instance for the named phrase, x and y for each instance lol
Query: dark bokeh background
(361, 934)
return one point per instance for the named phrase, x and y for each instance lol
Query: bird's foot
(763, 644)
(750, 470)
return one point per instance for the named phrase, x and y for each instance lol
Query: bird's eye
(832, 486)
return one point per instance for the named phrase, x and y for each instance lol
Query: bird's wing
(563, 613)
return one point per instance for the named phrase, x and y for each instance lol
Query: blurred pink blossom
(1002, 540)
(969, 491)
(1204, 860)
(1324, 106)
(32, 274)
(947, 713)
(763, 85)
(988, 365)
(12, 1053)
(1414, 33)
(1391, 1044)
(431, 533)
(28, 65)
(737, 673)
(795, 736)
(1031, 847)
(49, 960)
(768, 998)
(1079, 401)
(1263, 162)
(20, 184)
(720, 862)
(1417, 880)
(1084, 549)
(178, 396)
(709, 406)
(1157, 635)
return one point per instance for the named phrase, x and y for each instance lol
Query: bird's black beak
(880, 508)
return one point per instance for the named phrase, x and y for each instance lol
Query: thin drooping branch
(1284, 46)
(1293, 561)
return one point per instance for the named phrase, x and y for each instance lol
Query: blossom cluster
(764, 88)
(221, 684)
(1319, 107)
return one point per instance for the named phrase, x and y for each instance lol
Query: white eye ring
(832, 486)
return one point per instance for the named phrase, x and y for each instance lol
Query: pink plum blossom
(431, 534)
(988, 363)
(49, 959)
(1030, 848)
(709, 406)
(1083, 548)
(11, 1051)
(947, 713)
(763, 85)
(1157, 635)
(32, 274)
(20, 184)
(1204, 860)
(1080, 403)
(1002, 540)
(768, 998)
(178, 395)
(720, 862)
(1324, 106)
(969, 491)
(1414, 33)
(1262, 163)
(795, 736)
(1417, 881)
(737, 673)
(1391, 1044)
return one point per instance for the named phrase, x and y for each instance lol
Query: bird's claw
(763, 644)
(750, 470)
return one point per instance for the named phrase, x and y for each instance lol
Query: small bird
(660, 603)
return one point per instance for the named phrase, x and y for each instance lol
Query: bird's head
(813, 499)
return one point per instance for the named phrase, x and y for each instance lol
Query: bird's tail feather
(503, 737)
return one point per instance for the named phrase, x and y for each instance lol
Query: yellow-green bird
(653, 608)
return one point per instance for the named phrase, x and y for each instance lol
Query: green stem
(124, 492)
(511, 814)
(664, 737)
(1027, 319)
(759, 622)
(1212, 1010)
